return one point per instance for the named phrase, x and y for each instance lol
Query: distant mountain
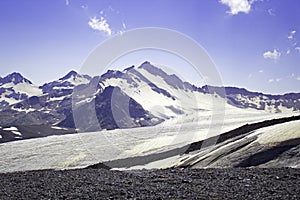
(54, 106)
(170, 95)
(14, 78)
(67, 83)
(243, 98)
(15, 88)
(136, 96)
(166, 96)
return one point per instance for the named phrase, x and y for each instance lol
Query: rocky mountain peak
(69, 75)
(15, 78)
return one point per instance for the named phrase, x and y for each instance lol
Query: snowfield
(279, 133)
(83, 149)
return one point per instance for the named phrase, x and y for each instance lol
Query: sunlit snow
(11, 129)
(80, 150)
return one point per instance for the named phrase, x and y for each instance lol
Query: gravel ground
(234, 183)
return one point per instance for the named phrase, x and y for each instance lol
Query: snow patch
(57, 98)
(160, 164)
(11, 129)
(23, 110)
(28, 89)
(17, 133)
(58, 128)
(85, 100)
(8, 100)
(61, 88)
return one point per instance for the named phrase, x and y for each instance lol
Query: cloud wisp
(292, 43)
(274, 55)
(237, 6)
(100, 25)
(108, 21)
(292, 34)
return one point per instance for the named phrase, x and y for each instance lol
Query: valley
(79, 121)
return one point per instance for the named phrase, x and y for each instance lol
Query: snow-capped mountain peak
(72, 74)
(14, 78)
(15, 88)
(152, 69)
(155, 92)
(68, 82)
(243, 98)
(165, 95)
(75, 79)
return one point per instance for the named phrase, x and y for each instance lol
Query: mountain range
(135, 97)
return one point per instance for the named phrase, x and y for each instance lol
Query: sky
(255, 44)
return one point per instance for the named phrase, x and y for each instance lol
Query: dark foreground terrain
(234, 183)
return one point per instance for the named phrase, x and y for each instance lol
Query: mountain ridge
(156, 95)
(66, 84)
(74, 73)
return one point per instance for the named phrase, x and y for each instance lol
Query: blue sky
(255, 44)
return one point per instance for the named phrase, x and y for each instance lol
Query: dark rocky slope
(153, 184)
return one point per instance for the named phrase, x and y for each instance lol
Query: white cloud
(298, 78)
(275, 55)
(292, 34)
(100, 25)
(261, 71)
(250, 76)
(271, 80)
(288, 51)
(297, 49)
(67, 2)
(237, 6)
